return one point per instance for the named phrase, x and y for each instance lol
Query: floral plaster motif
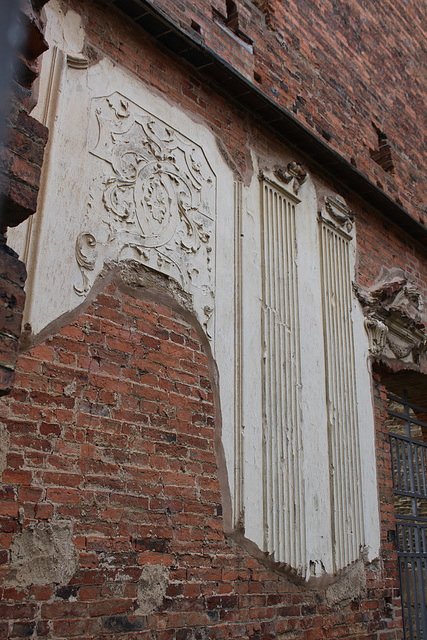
(157, 193)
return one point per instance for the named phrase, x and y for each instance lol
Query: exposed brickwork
(21, 159)
(111, 428)
(12, 296)
(379, 244)
(333, 64)
(22, 154)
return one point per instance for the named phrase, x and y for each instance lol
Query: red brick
(141, 486)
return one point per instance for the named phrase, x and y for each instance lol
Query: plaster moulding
(293, 175)
(393, 307)
(77, 61)
(157, 192)
(338, 215)
(377, 335)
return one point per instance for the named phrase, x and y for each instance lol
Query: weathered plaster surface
(151, 588)
(42, 554)
(351, 586)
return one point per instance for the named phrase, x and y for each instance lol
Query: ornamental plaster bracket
(338, 215)
(377, 335)
(151, 198)
(294, 175)
(393, 308)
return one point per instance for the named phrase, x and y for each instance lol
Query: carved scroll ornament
(293, 175)
(396, 304)
(156, 195)
(377, 335)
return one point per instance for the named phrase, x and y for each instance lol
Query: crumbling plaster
(43, 553)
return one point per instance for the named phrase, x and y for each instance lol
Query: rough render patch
(4, 446)
(70, 389)
(43, 554)
(352, 585)
(64, 28)
(152, 588)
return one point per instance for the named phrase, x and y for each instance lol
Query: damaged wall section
(116, 482)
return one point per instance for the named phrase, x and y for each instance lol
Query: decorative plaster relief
(377, 335)
(395, 302)
(77, 62)
(283, 491)
(337, 258)
(293, 175)
(158, 196)
(338, 215)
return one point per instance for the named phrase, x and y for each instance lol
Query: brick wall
(111, 508)
(353, 72)
(22, 153)
(21, 158)
(12, 297)
(380, 243)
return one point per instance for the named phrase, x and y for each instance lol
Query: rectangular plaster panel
(238, 506)
(125, 177)
(341, 397)
(284, 509)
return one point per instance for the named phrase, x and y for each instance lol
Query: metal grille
(409, 466)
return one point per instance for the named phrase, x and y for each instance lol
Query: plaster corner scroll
(338, 214)
(396, 302)
(377, 334)
(86, 258)
(293, 175)
(77, 62)
(154, 193)
(208, 311)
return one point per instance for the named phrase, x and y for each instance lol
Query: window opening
(382, 156)
(409, 470)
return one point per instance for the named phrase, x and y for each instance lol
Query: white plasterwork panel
(124, 183)
(366, 434)
(313, 408)
(152, 198)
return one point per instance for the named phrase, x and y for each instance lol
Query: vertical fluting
(343, 431)
(284, 517)
(238, 364)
